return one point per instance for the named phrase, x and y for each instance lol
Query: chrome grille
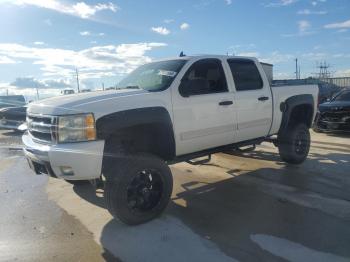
(41, 128)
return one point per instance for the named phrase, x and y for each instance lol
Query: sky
(43, 42)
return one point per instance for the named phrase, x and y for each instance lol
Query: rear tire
(138, 188)
(294, 144)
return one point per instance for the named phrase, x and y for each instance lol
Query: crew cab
(167, 111)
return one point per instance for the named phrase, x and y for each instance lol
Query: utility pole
(296, 69)
(103, 86)
(323, 70)
(7, 91)
(76, 71)
(37, 94)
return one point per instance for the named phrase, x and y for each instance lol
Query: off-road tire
(120, 176)
(294, 144)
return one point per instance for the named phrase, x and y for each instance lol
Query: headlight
(76, 128)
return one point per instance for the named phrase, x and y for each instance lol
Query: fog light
(67, 170)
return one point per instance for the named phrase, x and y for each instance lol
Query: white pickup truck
(167, 111)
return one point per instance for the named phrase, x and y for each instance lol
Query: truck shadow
(297, 203)
(283, 202)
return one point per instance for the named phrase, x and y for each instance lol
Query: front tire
(138, 188)
(294, 144)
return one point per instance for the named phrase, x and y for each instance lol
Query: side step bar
(199, 162)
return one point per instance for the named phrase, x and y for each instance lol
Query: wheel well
(154, 138)
(301, 114)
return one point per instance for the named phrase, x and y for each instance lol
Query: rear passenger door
(253, 99)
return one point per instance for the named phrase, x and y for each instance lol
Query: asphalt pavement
(239, 207)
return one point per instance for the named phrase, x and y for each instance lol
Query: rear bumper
(83, 159)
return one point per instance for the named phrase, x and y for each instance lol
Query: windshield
(344, 96)
(155, 76)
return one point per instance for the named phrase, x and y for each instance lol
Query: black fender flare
(110, 124)
(291, 103)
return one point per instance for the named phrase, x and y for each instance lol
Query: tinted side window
(245, 74)
(204, 77)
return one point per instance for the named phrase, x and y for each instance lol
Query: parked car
(12, 117)
(12, 101)
(325, 90)
(85, 90)
(182, 109)
(334, 115)
(67, 91)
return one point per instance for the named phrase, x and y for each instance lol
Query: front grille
(41, 128)
(334, 116)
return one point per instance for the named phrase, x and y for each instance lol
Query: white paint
(292, 251)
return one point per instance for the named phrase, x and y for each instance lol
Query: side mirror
(197, 86)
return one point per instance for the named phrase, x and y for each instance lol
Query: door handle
(263, 98)
(225, 103)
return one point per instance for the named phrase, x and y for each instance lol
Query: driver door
(203, 108)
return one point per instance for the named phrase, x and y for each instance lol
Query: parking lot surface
(239, 207)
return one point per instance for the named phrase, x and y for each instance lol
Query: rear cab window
(246, 75)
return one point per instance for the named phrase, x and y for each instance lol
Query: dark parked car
(334, 115)
(12, 117)
(12, 101)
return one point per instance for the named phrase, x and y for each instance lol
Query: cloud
(310, 12)
(342, 73)
(6, 60)
(80, 9)
(281, 3)
(85, 33)
(48, 22)
(343, 30)
(88, 33)
(168, 21)
(38, 43)
(276, 57)
(303, 26)
(54, 83)
(184, 26)
(27, 82)
(31, 82)
(228, 2)
(161, 30)
(94, 62)
(345, 24)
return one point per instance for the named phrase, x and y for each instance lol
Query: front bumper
(83, 159)
(9, 124)
(324, 124)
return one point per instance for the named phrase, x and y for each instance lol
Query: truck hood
(74, 104)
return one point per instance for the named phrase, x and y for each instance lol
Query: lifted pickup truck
(170, 111)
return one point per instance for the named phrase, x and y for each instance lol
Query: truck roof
(189, 57)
